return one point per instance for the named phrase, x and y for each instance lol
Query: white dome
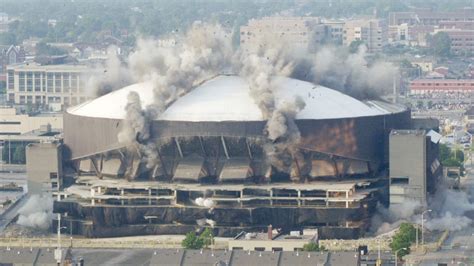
(227, 98)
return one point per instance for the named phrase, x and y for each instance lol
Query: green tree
(19, 155)
(440, 44)
(405, 236)
(419, 104)
(192, 241)
(7, 38)
(459, 155)
(43, 48)
(207, 237)
(313, 247)
(444, 152)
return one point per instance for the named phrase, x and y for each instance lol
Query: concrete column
(347, 194)
(92, 202)
(271, 197)
(149, 196)
(327, 198)
(299, 198)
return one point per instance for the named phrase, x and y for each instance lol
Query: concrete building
(372, 32)
(44, 167)
(303, 33)
(54, 86)
(427, 86)
(414, 165)
(213, 152)
(13, 123)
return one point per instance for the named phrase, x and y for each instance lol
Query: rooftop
(227, 98)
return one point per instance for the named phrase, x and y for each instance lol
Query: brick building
(424, 86)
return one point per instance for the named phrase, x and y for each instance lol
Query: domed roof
(227, 98)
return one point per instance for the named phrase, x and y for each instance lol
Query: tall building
(304, 33)
(414, 165)
(373, 32)
(54, 86)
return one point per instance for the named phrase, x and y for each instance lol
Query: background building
(372, 32)
(53, 86)
(414, 165)
(427, 86)
(44, 167)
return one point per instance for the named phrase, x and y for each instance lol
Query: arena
(213, 169)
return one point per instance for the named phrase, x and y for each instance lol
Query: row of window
(444, 84)
(50, 82)
(51, 99)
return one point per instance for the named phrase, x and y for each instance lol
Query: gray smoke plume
(283, 135)
(136, 130)
(37, 212)
(352, 74)
(174, 71)
(108, 76)
(449, 208)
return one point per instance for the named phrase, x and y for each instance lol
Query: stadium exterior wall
(357, 138)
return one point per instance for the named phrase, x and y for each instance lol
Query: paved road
(10, 214)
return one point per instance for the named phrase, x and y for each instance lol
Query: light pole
(396, 255)
(422, 227)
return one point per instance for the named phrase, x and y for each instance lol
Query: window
(277, 249)
(10, 123)
(399, 180)
(53, 175)
(57, 82)
(237, 248)
(73, 82)
(22, 99)
(66, 84)
(29, 99)
(38, 99)
(37, 81)
(29, 81)
(259, 249)
(11, 79)
(21, 84)
(50, 82)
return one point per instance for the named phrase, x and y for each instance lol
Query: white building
(55, 86)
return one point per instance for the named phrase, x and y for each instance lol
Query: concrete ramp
(190, 169)
(235, 169)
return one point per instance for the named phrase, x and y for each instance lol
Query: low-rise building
(273, 241)
(13, 123)
(462, 40)
(427, 86)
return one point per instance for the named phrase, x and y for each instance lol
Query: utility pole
(57, 252)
